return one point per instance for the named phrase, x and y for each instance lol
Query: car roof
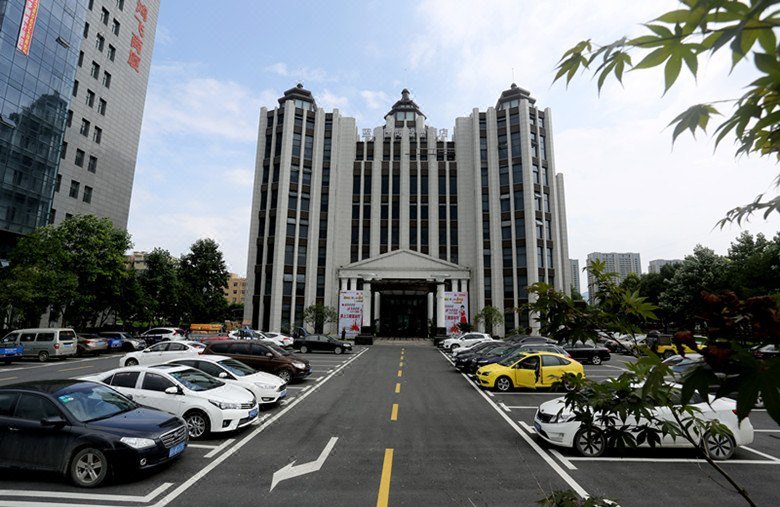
(41, 329)
(209, 358)
(46, 386)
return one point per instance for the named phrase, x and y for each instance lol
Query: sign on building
(29, 16)
(350, 312)
(456, 310)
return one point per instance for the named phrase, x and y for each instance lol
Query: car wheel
(453, 347)
(88, 468)
(197, 423)
(590, 442)
(596, 360)
(719, 446)
(43, 356)
(285, 375)
(304, 349)
(338, 350)
(668, 354)
(131, 362)
(759, 399)
(503, 384)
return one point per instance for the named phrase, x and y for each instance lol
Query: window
(57, 183)
(7, 402)
(75, 87)
(111, 52)
(115, 27)
(84, 131)
(92, 167)
(120, 4)
(45, 337)
(74, 189)
(86, 30)
(154, 382)
(95, 72)
(87, 198)
(104, 16)
(90, 100)
(81, 58)
(35, 408)
(91, 3)
(64, 150)
(125, 379)
(100, 41)
(106, 79)
(80, 158)
(97, 135)
(102, 107)
(70, 118)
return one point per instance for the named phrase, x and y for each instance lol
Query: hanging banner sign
(28, 26)
(350, 312)
(456, 310)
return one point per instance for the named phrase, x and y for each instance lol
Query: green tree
(700, 28)
(318, 315)
(491, 316)
(754, 269)
(203, 276)
(162, 288)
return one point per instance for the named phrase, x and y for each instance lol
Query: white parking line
(767, 456)
(526, 393)
(202, 446)
(220, 447)
(614, 367)
(79, 496)
(216, 462)
(679, 460)
(317, 379)
(522, 407)
(568, 464)
(503, 406)
(766, 431)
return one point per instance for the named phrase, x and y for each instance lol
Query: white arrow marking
(290, 471)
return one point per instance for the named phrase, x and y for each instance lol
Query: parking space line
(81, 496)
(678, 460)
(297, 387)
(383, 496)
(77, 368)
(568, 464)
(202, 446)
(8, 378)
(767, 456)
(504, 406)
(220, 448)
(317, 379)
(521, 407)
(614, 367)
(766, 431)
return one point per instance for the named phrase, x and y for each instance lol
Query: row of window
(75, 186)
(80, 158)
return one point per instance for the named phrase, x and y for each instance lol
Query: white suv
(158, 334)
(465, 340)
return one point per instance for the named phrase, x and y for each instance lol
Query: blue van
(9, 349)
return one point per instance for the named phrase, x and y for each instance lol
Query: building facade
(575, 275)
(235, 289)
(404, 214)
(620, 263)
(656, 265)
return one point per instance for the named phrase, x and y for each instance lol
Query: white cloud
(329, 100)
(299, 73)
(376, 99)
(244, 177)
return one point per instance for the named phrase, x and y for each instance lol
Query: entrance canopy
(404, 265)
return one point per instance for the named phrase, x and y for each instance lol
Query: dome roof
(515, 93)
(405, 104)
(298, 92)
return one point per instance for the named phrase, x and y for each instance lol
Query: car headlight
(562, 418)
(265, 386)
(225, 405)
(299, 365)
(137, 443)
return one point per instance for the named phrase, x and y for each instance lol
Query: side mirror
(223, 375)
(268, 354)
(129, 396)
(55, 421)
(173, 390)
(146, 350)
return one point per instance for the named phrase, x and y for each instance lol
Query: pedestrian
(652, 340)
(343, 333)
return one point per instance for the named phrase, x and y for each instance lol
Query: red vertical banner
(29, 16)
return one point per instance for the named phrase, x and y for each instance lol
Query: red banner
(28, 25)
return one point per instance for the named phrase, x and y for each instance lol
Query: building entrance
(403, 315)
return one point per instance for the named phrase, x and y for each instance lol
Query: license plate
(537, 427)
(253, 413)
(177, 449)
(67, 345)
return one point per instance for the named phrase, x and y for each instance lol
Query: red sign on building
(137, 40)
(29, 16)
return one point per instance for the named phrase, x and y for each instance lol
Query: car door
(260, 353)
(154, 354)
(552, 370)
(126, 382)
(243, 352)
(27, 341)
(7, 442)
(26, 433)
(178, 351)
(527, 372)
(152, 394)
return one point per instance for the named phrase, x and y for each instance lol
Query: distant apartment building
(620, 263)
(575, 274)
(234, 292)
(137, 261)
(656, 265)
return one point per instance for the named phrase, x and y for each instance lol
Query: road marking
(289, 471)
(317, 379)
(80, 496)
(767, 456)
(490, 393)
(614, 367)
(305, 388)
(220, 448)
(568, 464)
(401, 364)
(530, 394)
(397, 387)
(394, 413)
(298, 387)
(321, 371)
(766, 431)
(400, 373)
(680, 460)
(8, 378)
(383, 497)
(77, 368)
(202, 446)
(520, 407)
(503, 406)
(232, 450)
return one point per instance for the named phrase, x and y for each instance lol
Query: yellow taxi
(535, 370)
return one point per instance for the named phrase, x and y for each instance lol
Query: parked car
(267, 388)
(508, 350)
(766, 351)
(114, 343)
(540, 369)
(205, 403)
(84, 430)
(465, 340)
(543, 347)
(526, 339)
(44, 343)
(279, 339)
(158, 334)
(264, 357)
(89, 343)
(665, 347)
(245, 334)
(9, 349)
(128, 342)
(477, 347)
(162, 352)
(587, 352)
(321, 343)
(555, 424)
(631, 343)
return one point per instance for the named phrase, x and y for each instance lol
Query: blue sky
(216, 64)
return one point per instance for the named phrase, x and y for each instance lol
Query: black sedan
(83, 430)
(587, 352)
(493, 356)
(321, 342)
(465, 358)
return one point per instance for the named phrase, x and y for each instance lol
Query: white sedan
(278, 338)
(206, 404)
(162, 352)
(555, 424)
(267, 388)
(465, 340)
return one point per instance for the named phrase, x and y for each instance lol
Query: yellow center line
(384, 483)
(400, 373)
(76, 368)
(398, 387)
(8, 378)
(401, 365)
(394, 414)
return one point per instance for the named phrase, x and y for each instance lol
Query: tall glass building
(39, 50)
(404, 214)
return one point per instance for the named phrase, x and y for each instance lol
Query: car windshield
(90, 402)
(509, 361)
(195, 380)
(276, 348)
(11, 338)
(237, 368)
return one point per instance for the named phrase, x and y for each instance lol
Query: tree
(204, 276)
(698, 28)
(162, 287)
(754, 269)
(318, 315)
(491, 316)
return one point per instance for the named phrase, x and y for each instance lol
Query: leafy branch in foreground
(680, 37)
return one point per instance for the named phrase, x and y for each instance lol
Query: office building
(620, 263)
(656, 265)
(575, 275)
(403, 216)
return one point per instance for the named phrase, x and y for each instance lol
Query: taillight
(56, 346)
(734, 410)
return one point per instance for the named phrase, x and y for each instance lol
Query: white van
(45, 343)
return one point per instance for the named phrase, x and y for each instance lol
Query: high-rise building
(620, 263)
(404, 214)
(656, 265)
(39, 47)
(107, 97)
(575, 275)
